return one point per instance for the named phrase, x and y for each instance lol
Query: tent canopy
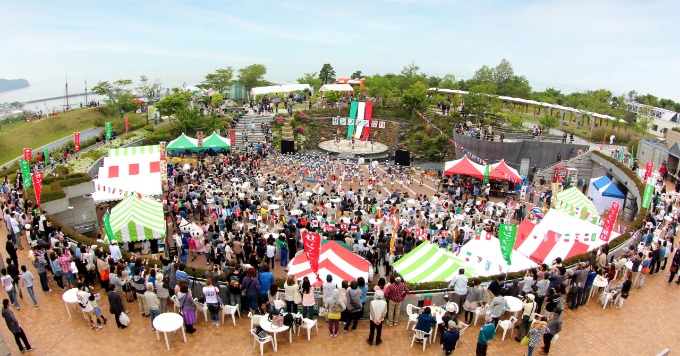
(286, 88)
(127, 170)
(465, 167)
(336, 87)
(559, 235)
(137, 219)
(429, 263)
(574, 203)
(216, 141)
(608, 188)
(604, 192)
(183, 142)
(483, 253)
(334, 259)
(502, 171)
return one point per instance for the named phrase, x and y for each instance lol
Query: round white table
(169, 322)
(70, 297)
(267, 326)
(514, 304)
(438, 313)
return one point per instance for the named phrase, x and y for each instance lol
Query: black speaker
(402, 157)
(287, 147)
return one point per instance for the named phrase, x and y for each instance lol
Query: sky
(574, 45)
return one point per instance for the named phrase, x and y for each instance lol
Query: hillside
(12, 84)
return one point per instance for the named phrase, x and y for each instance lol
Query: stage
(364, 149)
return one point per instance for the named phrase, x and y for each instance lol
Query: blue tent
(603, 192)
(607, 188)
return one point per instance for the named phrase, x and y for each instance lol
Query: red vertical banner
(232, 138)
(127, 124)
(164, 162)
(609, 223)
(76, 141)
(648, 171)
(37, 186)
(199, 138)
(28, 154)
(312, 245)
(368, 116)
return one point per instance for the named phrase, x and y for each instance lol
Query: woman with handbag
(308, 299)
(293, 297)
(536, 332)
(622, 289)
(213, 300)
(251, 287)
(473, 299)
(335, 307)
(188, 308)
(529, 307)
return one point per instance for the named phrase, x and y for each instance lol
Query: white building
(663, 119)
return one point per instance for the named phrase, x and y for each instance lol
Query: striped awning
(132, 151)
(137, 219)
(574, 203)
(429, 263)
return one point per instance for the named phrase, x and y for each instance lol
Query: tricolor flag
(467, 256)
(593, 237)
(478, 235)
(566, 237)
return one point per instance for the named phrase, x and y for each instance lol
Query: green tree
(356, 75)
(147, 89)
(192, 120)
(118, 95)
(381, 87)
(503, 72)
(449, 82)
(252, 76)
(516, 87)
(410, 74)
(483, 75)
(216, 100)
(171, 103)
(327, 74)
(548, 122)
(643, 121)
(331, 97)
(221, 80)
(433, 81)
(414, 97)
(311, 79)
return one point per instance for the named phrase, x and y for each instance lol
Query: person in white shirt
(459, 283)
(27, 280)
(115, 251)
(271, 252)
(211, 294)
(7, 282)
(88, 310)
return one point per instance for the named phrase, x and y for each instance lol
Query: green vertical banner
(506, 237)
(46, 155)
(620, 157)
(109, 131)
(26, 174)
(487, 172)
(107, 227)
(647, 196)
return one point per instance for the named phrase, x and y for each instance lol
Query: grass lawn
(15, 137)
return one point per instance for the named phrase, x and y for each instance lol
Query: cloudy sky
(570, 45)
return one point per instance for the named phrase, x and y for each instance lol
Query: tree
(311, 79)
(327, 74)
(503, 72)
(252, 76)
(483, 75)
(517, 87)
(548, 122)
(118, 96)
(381, 87)
(433, 81)
(192, 120)
(221, 80)
(147, 89)
(356, 75)
(216, 100)
(173, 102)
(331, 97)
(448, 82)
(414, 97)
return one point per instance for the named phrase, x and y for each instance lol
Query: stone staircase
(258, 136)
(581, 162)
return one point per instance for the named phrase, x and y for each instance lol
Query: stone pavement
(643, 327)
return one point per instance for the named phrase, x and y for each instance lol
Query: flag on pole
(506, 237)
(26, 174)
(107, 227)
(487, 172)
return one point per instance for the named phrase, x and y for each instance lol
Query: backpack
(288, 319)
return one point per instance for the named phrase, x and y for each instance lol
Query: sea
(45, 98)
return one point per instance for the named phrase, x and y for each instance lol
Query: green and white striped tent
(137, 219)
(132, 151)
(429, 263)
(574, 203)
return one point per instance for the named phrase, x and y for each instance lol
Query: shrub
(301, 130)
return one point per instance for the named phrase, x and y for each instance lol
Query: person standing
(88, 310)
(486, 334)
(116, 305)
(152, 302)
(27, 280)
(460, 288)
(15, 328)
(162, 292)
(41, 266)
(537, 330)
(353, 306)
(7, 282)
(378, 311)
(450, 337)
(395, 294)
(554, 327)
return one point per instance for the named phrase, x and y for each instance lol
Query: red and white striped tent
(334, 259)
(464, 167)
(558, 235)
(502, 171)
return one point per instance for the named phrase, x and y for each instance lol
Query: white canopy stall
(336, 87)
(285, 88)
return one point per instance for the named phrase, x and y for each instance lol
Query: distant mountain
(12, 84)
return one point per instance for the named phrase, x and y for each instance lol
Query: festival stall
(334, 259)
(183, 142)
(429, 263)
(216, 142)
(502, 171)
(574, 203)
(137, 219)
(603, 193)
(275, 89)
(126, 171)
(483, 254)
(336, 87)
(559, 235)
(464, 167)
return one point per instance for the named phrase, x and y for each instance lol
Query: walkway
(579, 140)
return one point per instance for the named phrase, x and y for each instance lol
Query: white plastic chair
(256, 339)
(308, 324)
(607, 297)
(176, 304)
(480, 311)
(554, 339)
(462, 331)
(507, 324)
(231, 310)
(420, 335)
(412, 312)
(254, 320)
(201, 307)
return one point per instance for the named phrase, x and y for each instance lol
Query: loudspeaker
(402, 157)
(287, 147)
